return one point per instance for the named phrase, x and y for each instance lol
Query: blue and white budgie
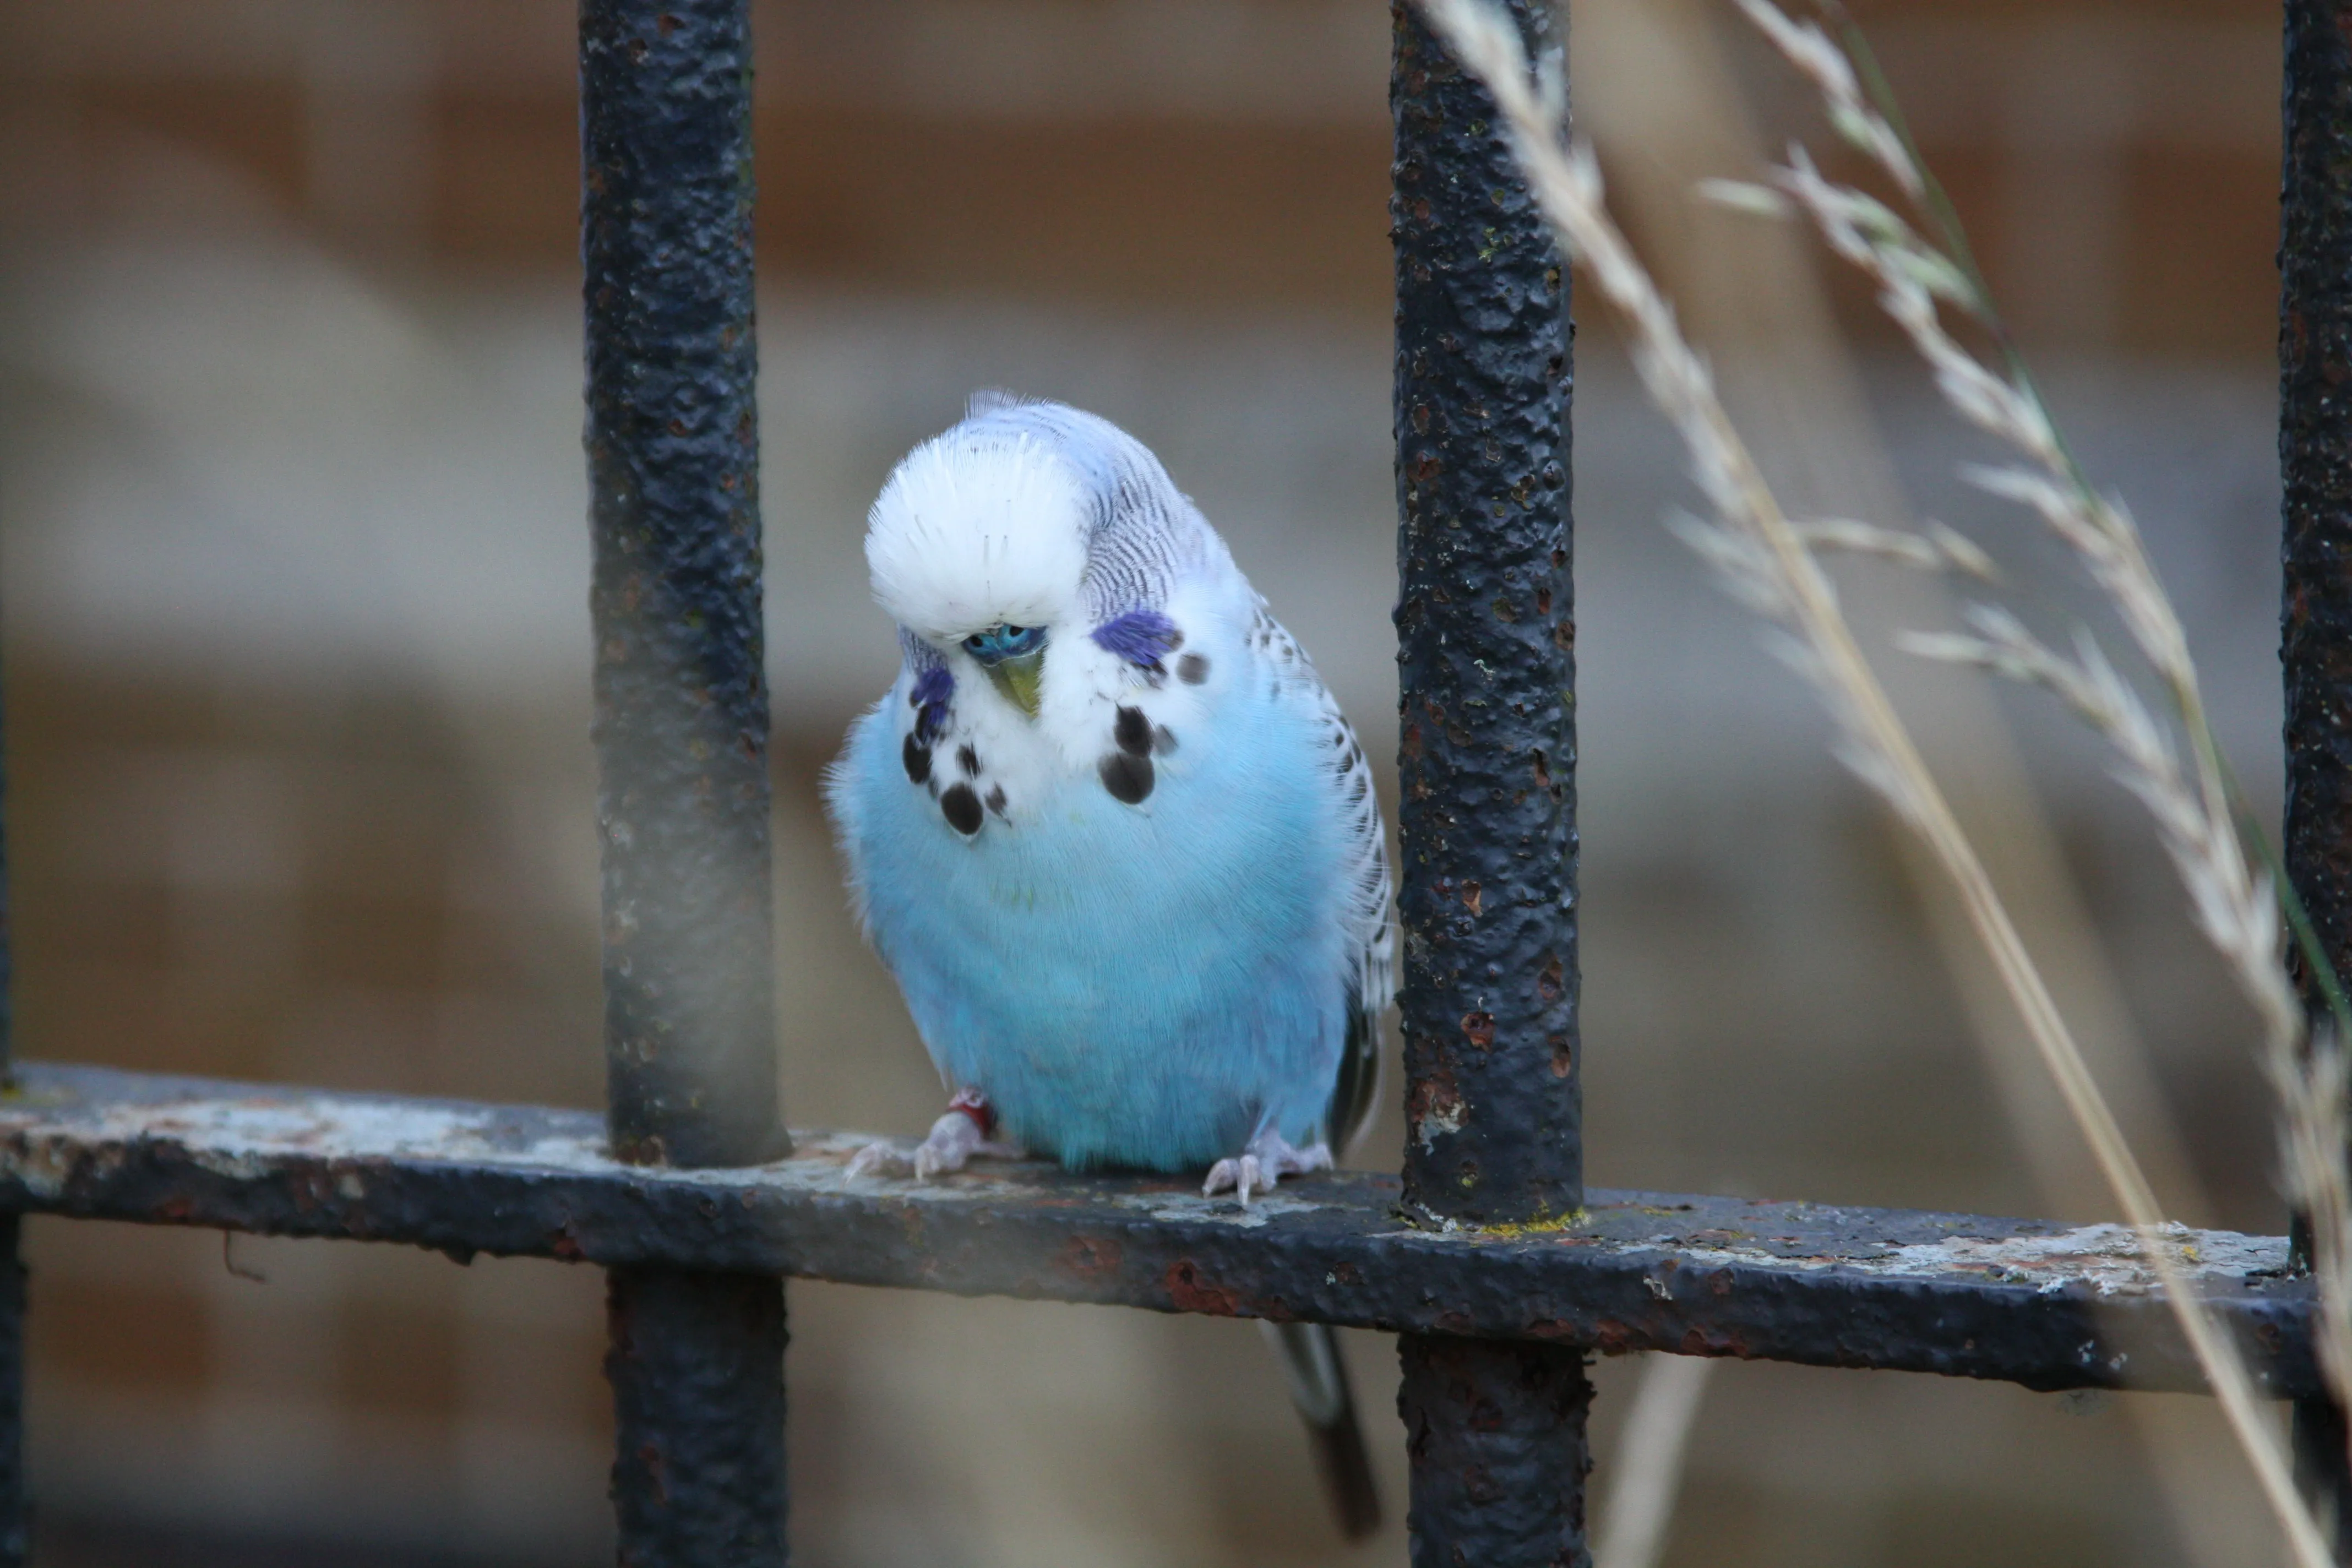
(1114, 837)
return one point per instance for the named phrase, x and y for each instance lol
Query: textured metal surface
(14, 1509)
(696, 1367)
(7, 933)
(2315, 473)
(1487, 658)
(681, 697)
(696, 1358)
(2315, 463)
(14, 1532)
(1494, 1436)
(2031, 1303)
(1486, 634)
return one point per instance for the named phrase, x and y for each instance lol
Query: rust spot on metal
(1434, 1105)
(1091, 1256)
(1610, 1336)
(1479, 1029)
(1190, 1294)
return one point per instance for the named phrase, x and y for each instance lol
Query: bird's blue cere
(1000, 643)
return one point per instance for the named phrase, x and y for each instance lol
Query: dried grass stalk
(1649, 1469)
(2236, 907)
(1765, 562)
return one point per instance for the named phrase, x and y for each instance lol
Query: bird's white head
(979, 527)
(978, 544)
(1043, 545)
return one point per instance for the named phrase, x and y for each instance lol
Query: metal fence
(1501, 1273)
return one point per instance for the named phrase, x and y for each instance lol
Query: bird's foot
(1266, 1160)
(955, 1138)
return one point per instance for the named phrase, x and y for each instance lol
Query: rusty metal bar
(1495, 1435)
(1487, 634)
(2029, 1302)
(681, 692)
(2316, 474)
(14, 1533)
(696, 1358)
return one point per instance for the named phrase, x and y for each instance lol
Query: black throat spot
(962, 808)
(1132, 732)
(1127, 778)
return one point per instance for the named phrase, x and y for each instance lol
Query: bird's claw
(1266, 1160)
(955, 1138)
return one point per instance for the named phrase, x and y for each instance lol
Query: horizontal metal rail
(2035, 1303)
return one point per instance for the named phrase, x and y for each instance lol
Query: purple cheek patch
(929, 700)
(1142, 638)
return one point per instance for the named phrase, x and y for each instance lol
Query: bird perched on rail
(1114, 838)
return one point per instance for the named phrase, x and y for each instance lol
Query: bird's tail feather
(1318, 1386)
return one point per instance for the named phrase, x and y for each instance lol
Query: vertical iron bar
(2315, 475)
(1487, 638)
(696, 1359)
(696, 1367)
(14, 1514)
(1488, 824)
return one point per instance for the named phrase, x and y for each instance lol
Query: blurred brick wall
(2116, 160)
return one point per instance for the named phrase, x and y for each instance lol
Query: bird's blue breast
(1127, 986)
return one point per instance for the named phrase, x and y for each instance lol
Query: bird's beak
(1019, 678)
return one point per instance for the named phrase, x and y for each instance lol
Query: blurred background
(293, 574)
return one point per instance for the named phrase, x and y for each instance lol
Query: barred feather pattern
(1371, 903)
(1142, 532)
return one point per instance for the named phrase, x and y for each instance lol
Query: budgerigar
(1112, 834)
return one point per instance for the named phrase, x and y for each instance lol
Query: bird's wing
(1368, 916)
